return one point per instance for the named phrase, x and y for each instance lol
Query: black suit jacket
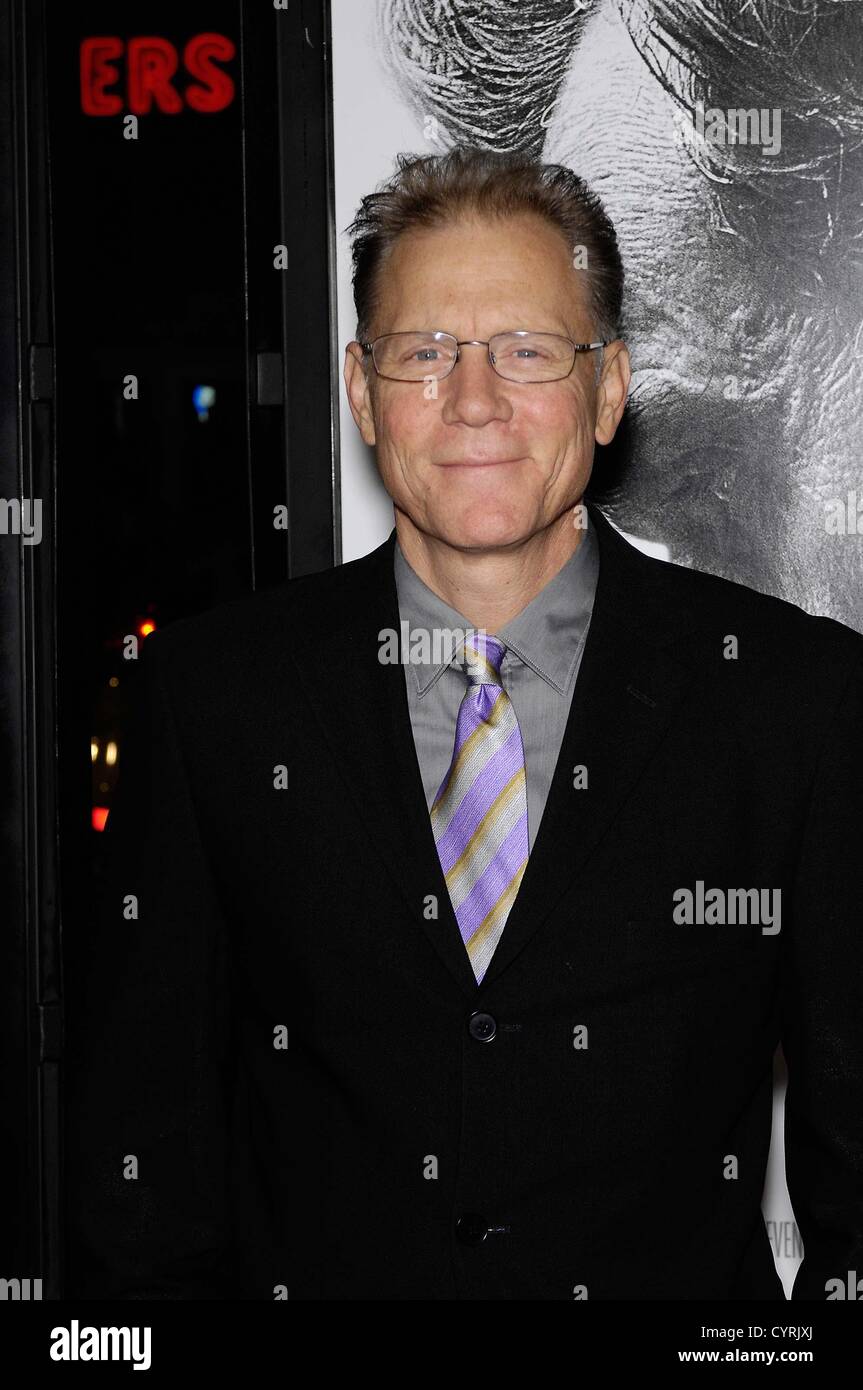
(610, 1138)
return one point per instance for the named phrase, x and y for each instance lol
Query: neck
(489, 587)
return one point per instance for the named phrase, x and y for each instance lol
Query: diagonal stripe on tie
(474, 748)
(482, 943)
(497, 770)
(478, 853)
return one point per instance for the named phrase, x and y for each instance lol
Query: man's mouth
(475, 462)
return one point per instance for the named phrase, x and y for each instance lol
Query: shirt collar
(547, 635)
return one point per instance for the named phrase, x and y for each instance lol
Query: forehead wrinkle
(462, 307)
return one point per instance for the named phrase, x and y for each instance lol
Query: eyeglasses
(519, 356)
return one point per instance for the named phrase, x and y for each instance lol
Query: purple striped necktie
(479, 815)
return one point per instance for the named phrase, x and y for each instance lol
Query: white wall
(370, 127)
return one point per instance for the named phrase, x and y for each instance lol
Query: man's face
(475, 461)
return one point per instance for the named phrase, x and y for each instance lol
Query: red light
(151, 64)
(217, 88)
(100, 817)
(146, 627)
(97, 74)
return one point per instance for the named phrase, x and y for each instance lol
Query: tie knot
(481, 659)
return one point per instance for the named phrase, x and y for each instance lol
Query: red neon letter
(152, 63)
(97, 74)
(218, 89)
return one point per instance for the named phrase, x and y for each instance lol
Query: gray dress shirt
(544, 646)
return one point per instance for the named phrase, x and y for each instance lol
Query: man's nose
(475, 392)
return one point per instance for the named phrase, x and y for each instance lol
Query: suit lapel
(365, 718)
(628, 689)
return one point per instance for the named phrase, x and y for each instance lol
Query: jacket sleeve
(822, 1007)
(148, 1038)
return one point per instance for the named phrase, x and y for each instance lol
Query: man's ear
(358, 387)
(612, 390)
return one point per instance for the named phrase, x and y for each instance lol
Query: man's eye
(522, 354)
(429, 354)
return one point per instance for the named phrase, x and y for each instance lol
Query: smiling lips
(475, 463)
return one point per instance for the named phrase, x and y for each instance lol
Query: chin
(472, 532)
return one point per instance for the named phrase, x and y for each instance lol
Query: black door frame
(289, 199)
(30, 955)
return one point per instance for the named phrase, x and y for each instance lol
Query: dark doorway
(172, 242)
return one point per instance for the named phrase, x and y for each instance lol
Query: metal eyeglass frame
(368, 348)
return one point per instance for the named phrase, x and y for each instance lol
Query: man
(459, 975)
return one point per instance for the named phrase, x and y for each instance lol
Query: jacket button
(471, 1229)
(482, 1027)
